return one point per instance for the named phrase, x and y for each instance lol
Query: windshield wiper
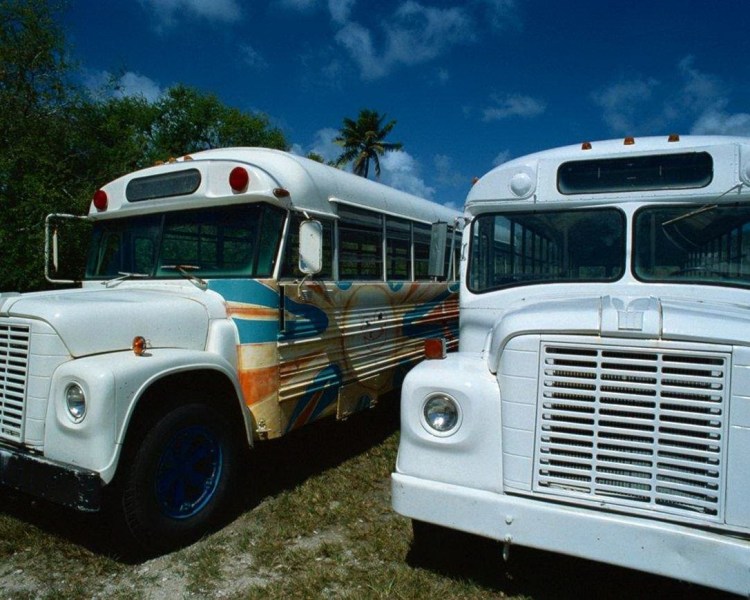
(122, 277)
(184, 270)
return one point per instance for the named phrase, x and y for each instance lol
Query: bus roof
(312, 187)
(536, 178)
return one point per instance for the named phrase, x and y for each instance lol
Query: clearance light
(434, 349)
(629, 141)
(238, 179)
(281, 193)
(139, 345)
(673, 137)
(474, 180)
(586, 146)
(100, 200)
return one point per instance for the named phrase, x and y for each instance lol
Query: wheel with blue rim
(178, 480)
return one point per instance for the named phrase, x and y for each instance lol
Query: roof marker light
(239, 178)
(100, 200)
(586, 146)
(673, 137)
(629, 141)
(139, 346)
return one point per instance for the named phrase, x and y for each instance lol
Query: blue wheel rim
(188, 472)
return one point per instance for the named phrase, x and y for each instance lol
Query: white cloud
(133, 84)
(299, 4)
(128, 85)
(340, 10)
(446, 173)
(413, 35)
(358, 42)
(401, 171)
(715, 122)
(501, 14)
(695, 97)
(252, 58)
(501, 158)
(213, 10)
(513, 105)
(622, 102)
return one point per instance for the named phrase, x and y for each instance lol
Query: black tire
(178, 480)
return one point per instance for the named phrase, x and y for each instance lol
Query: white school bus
(229, 297)
(599, 403)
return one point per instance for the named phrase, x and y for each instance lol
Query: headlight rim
(426, 423)
(82, 402)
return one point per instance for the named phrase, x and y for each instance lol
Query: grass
(317, 524)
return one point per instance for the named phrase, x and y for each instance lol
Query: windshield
(227, 241)
(690, 244)
(511, 249)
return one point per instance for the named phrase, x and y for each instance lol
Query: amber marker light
(139, 345)
(629, 141)
(586, 146)
(434, 349)
(673, 137)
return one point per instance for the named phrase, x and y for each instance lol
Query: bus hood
(635, 318)
(93, 321)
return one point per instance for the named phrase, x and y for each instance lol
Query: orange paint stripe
(258, 384)
(250, 312)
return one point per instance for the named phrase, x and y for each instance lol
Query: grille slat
(632, 427)
(14, 356)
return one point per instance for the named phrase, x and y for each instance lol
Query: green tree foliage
(58, 144)
(363, 141)
(34, 96)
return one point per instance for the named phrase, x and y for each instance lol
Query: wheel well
(165, 394)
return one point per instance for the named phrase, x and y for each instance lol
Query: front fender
(472, 456)
(113, 384)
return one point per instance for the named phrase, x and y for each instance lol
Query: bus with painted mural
(229, 297)
(599, 402)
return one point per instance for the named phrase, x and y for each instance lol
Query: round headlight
(75, 400)
(441, 413)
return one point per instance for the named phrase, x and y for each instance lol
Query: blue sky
(470, 83)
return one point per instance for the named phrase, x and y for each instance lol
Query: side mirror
(310, 247)
(64, 263)
(438, 243)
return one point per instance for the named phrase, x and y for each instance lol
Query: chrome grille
(637, 427)
(14, 358)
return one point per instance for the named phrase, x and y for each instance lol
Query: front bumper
(668, 549)
(60, 483)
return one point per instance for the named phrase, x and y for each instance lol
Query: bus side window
(422, 234)
(360, 244)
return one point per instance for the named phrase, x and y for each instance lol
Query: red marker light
(434, 348)
(238, 179)
(100, 200)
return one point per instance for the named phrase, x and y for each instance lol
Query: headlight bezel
(431, 405)
(76, 403)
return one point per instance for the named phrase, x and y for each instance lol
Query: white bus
(200, 328)
(599, 403)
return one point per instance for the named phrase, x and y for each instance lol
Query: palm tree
(362, 141)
